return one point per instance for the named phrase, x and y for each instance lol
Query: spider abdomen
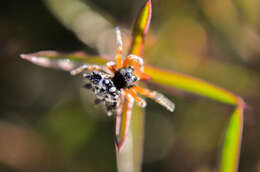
(104, 89)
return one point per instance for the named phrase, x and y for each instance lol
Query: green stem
(130, 158)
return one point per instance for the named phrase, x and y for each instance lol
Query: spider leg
(135, 61)
(144, 76)
(83, 68)
(119, 60)
(141, 102)
(158, 97)
(127, 95)
(111, 66)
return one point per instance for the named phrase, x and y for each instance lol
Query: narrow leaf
(67, 62)
(232, 144)
(139, 33)
(141, 28)
(191, 85)
(231, 148)
(137, 130)
(134, 139)
(123, 122)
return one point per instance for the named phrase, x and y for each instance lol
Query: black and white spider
(108, 82)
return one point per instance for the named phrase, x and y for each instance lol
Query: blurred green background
(48, 122)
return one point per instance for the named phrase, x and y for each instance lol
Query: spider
(119, 78)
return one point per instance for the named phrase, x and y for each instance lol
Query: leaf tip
(119, 143)
(148, 6)
(149, 2)
(22, 56)
(25, 56)
(141, 27)
(242, 103)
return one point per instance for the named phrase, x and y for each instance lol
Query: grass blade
(133, 140)
(137, 130)
(130, 143)
(141, 28)
(232, 143)
(191, 85)
(123, 120)
(56, 60)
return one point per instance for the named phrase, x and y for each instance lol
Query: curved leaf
(123, 120)
(139, 33)
(232, 144)
(67, 62)
(134, 146)
(191, 85)
(141, 28)
(233, 139)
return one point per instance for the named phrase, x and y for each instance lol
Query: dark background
(48, 123)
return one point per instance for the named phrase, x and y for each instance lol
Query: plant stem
(130, 158)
